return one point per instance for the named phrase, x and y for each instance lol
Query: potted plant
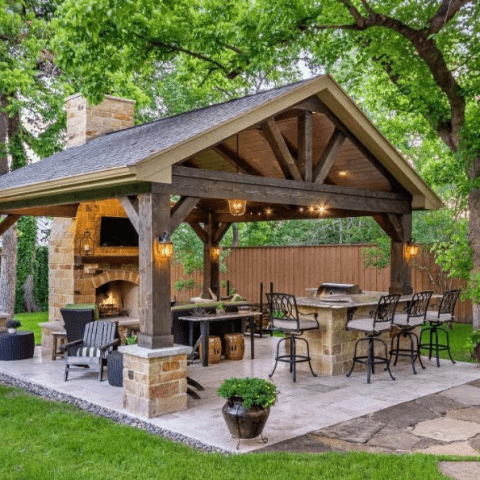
(248, 405)
(475, 340)
(12, 325)
(131, 339)
(220, 308)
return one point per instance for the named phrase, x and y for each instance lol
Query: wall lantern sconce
(216, 251)
(163, 248)
(411, 250)
(237, 207)
(86, 245)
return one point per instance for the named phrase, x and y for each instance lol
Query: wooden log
(67, 211)
(155, 321)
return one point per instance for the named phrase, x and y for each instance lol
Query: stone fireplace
(117, 298)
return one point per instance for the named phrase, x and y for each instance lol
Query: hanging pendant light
(237, 206)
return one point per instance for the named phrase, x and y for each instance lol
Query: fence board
(293, 269)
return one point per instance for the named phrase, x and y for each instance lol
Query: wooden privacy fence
(292, 269)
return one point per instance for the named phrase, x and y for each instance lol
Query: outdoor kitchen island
(331, 346)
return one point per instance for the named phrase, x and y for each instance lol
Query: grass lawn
(48, 440)
(30, 321)
(459, 336)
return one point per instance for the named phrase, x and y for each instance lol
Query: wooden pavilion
(296, 152)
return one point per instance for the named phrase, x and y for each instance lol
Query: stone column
(154, 381)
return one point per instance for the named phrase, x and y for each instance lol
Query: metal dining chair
(379, 322)
(436, 319)
(413, 317)
(285, 318)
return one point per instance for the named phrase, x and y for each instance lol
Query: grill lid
(338, 289)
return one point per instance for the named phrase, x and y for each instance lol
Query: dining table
(205, 319)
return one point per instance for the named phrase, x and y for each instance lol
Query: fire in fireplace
(117, 298)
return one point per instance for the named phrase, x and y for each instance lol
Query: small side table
(115, 369)
(58, 339)
(17, 346)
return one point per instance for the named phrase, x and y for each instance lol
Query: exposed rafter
(130, 205)
(280, 149)
(391, 225)
(305, 133)
(230, 156)
(328, 156)
(181, 210)
(49, 211)
(7, 222)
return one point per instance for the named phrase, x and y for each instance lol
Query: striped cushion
(88, 352)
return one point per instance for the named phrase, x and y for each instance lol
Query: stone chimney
(85, 122)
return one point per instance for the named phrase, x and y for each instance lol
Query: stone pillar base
(154, 381)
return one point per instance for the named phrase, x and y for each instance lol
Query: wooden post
(400, 269)
(155, 321)
(211, 266)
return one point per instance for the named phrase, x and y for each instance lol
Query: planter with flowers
(12, 326)
(248, 405)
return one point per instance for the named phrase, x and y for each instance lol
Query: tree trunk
(235, 235)
(7, 275)
(474, 238)
(30, 305)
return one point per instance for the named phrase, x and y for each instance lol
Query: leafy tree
(414, 68)
(31, 101)
(41, 278)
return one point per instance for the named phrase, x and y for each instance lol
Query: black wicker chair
(380, 321)
(75, 322)
(413, 317)
(285, 317)
(435, 320)
(98, 341)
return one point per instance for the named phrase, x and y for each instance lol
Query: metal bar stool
(285, 317)
(416, 310)
(435, 320)
(380, 321)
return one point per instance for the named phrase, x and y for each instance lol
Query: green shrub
(252, 390)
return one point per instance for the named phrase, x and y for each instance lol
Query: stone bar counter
(332, 346)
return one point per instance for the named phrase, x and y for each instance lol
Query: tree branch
(447, 10)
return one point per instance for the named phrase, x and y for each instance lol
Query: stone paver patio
(436, 411)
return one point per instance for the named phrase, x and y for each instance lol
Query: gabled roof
(147, 152)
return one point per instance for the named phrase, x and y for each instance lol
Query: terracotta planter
(244, 423)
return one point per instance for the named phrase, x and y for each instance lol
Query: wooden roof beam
(130, 205)
(222, 185)
(314, 104)
(67, 211)
(280, 149)
(8, 222)
(234, 161)
(391, 225)
(181, 210)
(328, 156)
(305, 136)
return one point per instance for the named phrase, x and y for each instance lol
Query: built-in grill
(338, 289)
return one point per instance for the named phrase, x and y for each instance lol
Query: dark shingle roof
(128, 147)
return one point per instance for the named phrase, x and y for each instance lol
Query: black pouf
(115, 369)
(17, 346)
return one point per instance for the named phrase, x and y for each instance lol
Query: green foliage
(131, 339)
(27, 237)
(185, 284)
(14, 323)
(253, 391)
(41, 278)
